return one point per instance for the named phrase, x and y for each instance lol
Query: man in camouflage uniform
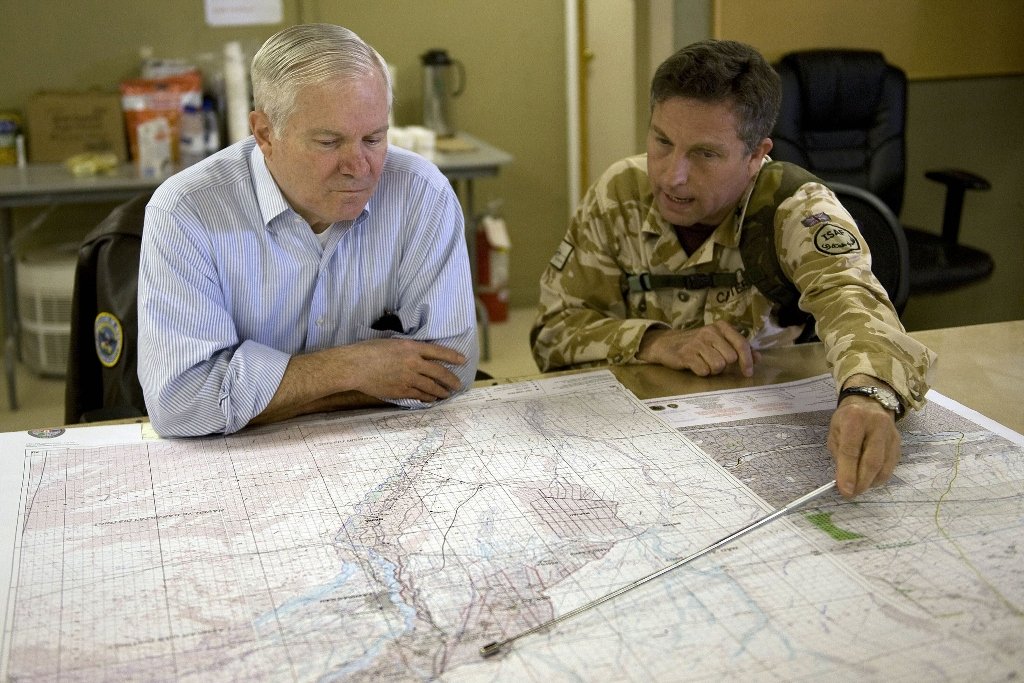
(682, 209)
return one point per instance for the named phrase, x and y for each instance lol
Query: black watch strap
(887, 397)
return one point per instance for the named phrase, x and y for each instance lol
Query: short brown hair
(724, 71)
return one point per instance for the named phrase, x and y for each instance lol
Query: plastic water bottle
(211, 126)
(192, 143)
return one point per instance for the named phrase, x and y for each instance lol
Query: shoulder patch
(561, 255)
(834, 240)
(109, 336)
(814, 219)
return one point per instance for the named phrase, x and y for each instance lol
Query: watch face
(886, 397)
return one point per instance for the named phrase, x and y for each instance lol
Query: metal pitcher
(444, 78)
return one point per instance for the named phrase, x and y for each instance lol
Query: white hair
(309, 54)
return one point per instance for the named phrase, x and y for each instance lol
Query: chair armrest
(958, 177)
(957, 182)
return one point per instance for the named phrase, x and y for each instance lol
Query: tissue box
(62, 124)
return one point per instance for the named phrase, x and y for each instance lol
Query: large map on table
(393, 545)
(944, 535)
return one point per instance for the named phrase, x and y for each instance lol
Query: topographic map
(392, 545)
(943, 541)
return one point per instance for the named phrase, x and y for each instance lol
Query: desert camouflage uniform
(585, 318)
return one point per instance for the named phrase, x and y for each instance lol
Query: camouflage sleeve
(582, 314)
(824, 254)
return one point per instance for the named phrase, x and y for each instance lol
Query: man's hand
(865, 443)
(359, 374)
(401, 368)
(708, 350)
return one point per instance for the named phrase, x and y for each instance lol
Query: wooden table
(980, 366)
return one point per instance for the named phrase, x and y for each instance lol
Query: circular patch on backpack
(109, 336)
(50, 433)
(835, 240)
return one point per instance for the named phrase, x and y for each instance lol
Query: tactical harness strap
(761, 268)
(645, 282)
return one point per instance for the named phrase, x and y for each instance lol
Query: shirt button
(618, 358)
(319, 322)
(683, 296)
(642, 307)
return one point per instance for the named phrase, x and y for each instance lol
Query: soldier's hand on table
(865, 444)
(707, 350)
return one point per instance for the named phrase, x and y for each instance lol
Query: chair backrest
(843, 118)
(890, 256)
(102, 381)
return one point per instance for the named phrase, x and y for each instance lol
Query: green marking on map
(823, 520)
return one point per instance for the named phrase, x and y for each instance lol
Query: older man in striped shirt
(308, 267)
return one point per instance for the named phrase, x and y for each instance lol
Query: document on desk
(393, 544)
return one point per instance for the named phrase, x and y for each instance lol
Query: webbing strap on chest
(646, 282)
(761, 268)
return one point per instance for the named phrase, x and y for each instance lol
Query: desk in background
(50, 184)
(45, 185)
(468, 159)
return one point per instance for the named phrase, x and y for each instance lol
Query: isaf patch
(109, 337)
(813, 220)
(834, 240)
(562, 255)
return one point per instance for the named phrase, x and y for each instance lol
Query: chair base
(939, 266)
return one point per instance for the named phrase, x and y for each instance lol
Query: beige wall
(927, 38)
(514, 56)
(515, 96)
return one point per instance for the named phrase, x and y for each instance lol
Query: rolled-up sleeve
(198, 377)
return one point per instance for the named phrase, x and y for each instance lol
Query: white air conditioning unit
(46, 284)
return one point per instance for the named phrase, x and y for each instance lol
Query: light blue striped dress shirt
(233, 282)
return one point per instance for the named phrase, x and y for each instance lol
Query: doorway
(613, 47)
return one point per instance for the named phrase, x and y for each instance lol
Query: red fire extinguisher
(492, 248)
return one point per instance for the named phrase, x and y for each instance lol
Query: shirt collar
(268, 195)
(272, 201)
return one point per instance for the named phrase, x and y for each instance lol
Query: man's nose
(352, 160)
(676, 171)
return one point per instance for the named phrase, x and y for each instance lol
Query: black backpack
(102, 380)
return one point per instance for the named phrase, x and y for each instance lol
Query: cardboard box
(62, 124)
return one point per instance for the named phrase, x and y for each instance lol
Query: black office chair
(843, 118)
(102, 383)
(890, 260)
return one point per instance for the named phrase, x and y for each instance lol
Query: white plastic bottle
(236, 86)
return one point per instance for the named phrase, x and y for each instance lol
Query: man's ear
(259, 123)
(757, 155)
(762, 149)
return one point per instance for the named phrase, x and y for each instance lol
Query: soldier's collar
(654, 223)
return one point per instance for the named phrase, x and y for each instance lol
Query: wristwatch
(887, 397)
